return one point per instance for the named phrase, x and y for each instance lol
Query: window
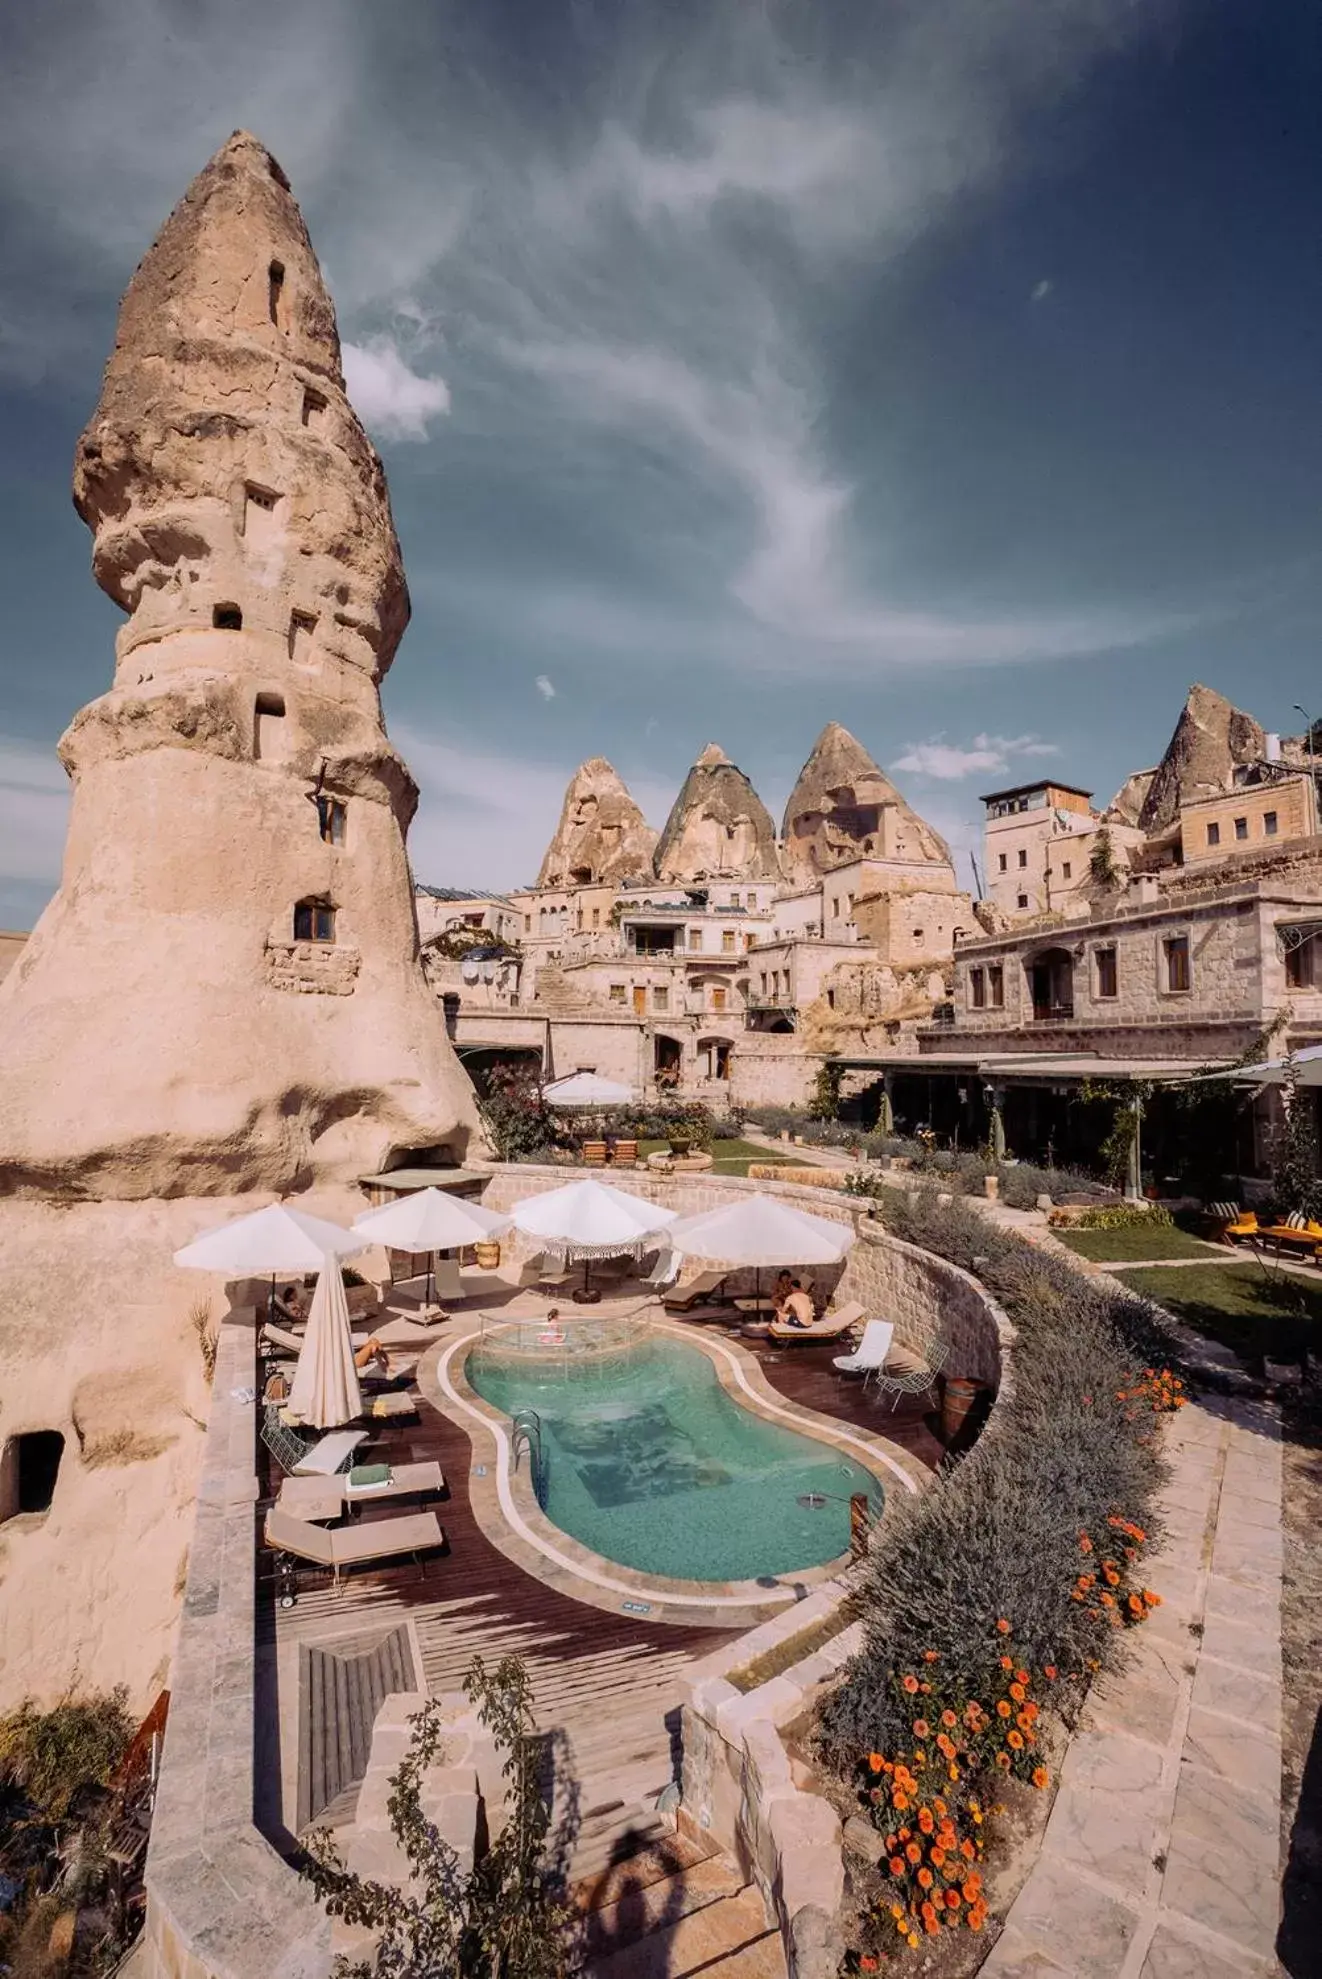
(695, 937)
(1023, 857)
(227, 618)
(302, 627)
(1022, 901)
(1214, 834)
(1299, 965)
(29, 1467)
(1178, 975)
(314, 920)
(762, 982)
(1004, 862)
(660, 999)
(1241, 828)
(734, 899)
(275, 292)
(835, 910)
(727, 941)
(749, 940)
(269, 728)
(331, 815)
(1065, 870)
(977, 989)
(314, 408)
(1269, 823)
(259, 506)
(830, 999)
(1106, 972)
(996, 986)
(527, 924)
(617, 992)
(917, 934)
(596, 917)
(718, 998)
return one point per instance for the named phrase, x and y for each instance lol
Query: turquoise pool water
(649, 1462)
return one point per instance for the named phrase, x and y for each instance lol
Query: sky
(947, 368)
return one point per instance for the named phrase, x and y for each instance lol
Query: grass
(1251, 1310)
(728, 1157)
(1135, 1243)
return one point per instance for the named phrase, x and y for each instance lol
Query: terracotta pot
(957, 1399)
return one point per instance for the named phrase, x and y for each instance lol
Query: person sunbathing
(287, 1305)
(370, 1351)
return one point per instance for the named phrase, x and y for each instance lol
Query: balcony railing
(771, 1000)
(1053, 1013)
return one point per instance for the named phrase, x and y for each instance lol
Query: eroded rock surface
(718, 827)
(1211, 738)
(602, 836)
(844, 807)
(225, 993)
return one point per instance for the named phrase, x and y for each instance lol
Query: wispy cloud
(34, 810)
(545, 687)
(947, 762)
(390, 399)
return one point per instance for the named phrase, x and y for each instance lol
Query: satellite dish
(469, 971)
(488, 972)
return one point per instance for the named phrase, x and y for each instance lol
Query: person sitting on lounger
(370, 1352)
(780, 1292)
(797, 1309)
(289, 1306)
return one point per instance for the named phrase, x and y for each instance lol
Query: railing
(526, 1434)
(771, 1000)
(1053, 1013)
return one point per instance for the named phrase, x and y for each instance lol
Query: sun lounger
(870, 1354)
(681, 1297)
(449, 1280)
(390, 1405)
(297, 1450)
(348, 1546)
(330, 1453)
(665, 1271)
(319, 1498)
(1296, 1233)
(831, 1326)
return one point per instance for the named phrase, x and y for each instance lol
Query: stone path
(1161, 1857)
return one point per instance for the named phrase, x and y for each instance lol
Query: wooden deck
(607, 1686)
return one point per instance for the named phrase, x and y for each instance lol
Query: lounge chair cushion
(382, 1539)
(831, 1326)
(330, 1454)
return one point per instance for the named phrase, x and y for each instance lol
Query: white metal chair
(869, 1355)
(913, 1368)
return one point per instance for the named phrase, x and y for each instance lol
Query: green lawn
(1136, 1242)
(1251, 1310)
(728, 1157)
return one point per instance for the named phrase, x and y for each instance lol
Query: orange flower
(914, 1853)
(1107, 1600)
(944, 1746)
(1085, 1544)
(875, 1761)
(1040, 1776)
(928, 1911)
(904, 1834)
(899, 1802)
(967, 1849)
(949, 1719)
(1150, 1599)
(937, 1858)
(1003, 1761)
(929, 1656)
(867, 1963)
(977, 1918)
(1002, 1708)
(1049, 1672)
(896, 1865)
(939, 1807)
(921, 1728)
(952, 1899)
(1003, 1626)
(1007, 1662)
(1018, 1693)
(952, 1772)
(1015, 1740)
(1030, 1712)
(911, 1685)
(1021, 1676)
(925, 1821)
(925, 1879)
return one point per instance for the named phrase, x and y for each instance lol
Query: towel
(362, 1476)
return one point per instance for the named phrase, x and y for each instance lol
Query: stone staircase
(555, 994)
(674, 1910)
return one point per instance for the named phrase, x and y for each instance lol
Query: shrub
(1028, 1550)
(1123, 1216)
(519, 1123)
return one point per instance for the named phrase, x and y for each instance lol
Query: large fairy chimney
(718, 827)
(225, 993)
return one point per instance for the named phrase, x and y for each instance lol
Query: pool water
(649, 1462)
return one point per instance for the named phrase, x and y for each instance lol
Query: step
(725, 1938)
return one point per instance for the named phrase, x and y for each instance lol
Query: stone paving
(1161, 1857)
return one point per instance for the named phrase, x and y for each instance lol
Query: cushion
(365, 1474)
(1296, 1220)
(1227, 1211)
(903, 1360)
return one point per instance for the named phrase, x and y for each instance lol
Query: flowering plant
(1162, 1392)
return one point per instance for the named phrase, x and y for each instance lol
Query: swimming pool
(647, 1461)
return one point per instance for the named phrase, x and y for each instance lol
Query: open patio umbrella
(586, 1220)
(761, 1230)
(1274, 1071)
(325, 1390)
(430, 1220)
(585, 1089)
(277, 1239)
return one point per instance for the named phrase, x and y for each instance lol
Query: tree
(825, 1103)
(1294, 1154)
(1101, 860)
(503, 1918)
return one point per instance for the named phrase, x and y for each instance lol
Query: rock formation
(718, 827)
(225, 994)
(1126, 807)
(602, 836)
(844, 808)
(1212, 737)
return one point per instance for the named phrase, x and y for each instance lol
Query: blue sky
(946, 367)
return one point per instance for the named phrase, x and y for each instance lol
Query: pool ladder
(526, 1434)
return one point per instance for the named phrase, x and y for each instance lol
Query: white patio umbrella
(585, 1089)
(586, 1220)
(325, 1390)
(761, 1230)
(430, 1220)
(277, 1239)
(1273, 1071)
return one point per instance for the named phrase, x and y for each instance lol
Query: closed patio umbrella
(325, 1390)
(586, 1220)
(276, 1239)
(430, 1220)
(761, 1230)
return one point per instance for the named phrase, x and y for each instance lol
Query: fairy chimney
(718, 827)
(602, 836)
(225, 993)
(844, 808)
(1212, 739)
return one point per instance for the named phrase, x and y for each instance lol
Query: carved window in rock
(332, 819)
(270, 731)
(302, 633)
(277, 298)
(314, 410)
(29, 1468)
(259, 515)
(227, 618)
(314, 920)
